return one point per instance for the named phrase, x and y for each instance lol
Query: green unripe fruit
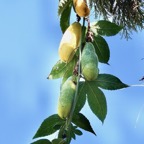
(66, 98)
(89, 62)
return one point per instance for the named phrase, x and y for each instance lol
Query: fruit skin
(89, 62)
(81, 8)
(66, 98)
(70, 42)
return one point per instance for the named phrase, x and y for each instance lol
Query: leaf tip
(102, 122)
(108, 64)
(126, 85)
(94, 133)
(50, 77)
(34, 136)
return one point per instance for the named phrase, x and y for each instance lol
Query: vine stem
(69, 119)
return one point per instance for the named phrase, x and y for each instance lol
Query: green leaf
(105, 28)
(61, 69)
(96, 100)
(47, 126)
(57, 127)
(102, 49)
(78, 132)
(109, 82)
(58, 141)
(65, 18)
(42, 141)
(81, 97)
(73, 135)
(62, 132)
(63, 4)
(69, 69)
(67, 134)
(81, 121)
(58, 70)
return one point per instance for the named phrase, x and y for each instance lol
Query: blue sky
(29, 41)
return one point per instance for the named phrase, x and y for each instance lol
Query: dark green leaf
(67, 134)
(96, 101)
(71, 132)
(62, 132)
(109, 82)
(58, 141)
(102, 49)
(63, 4)
(81, 97)
(42, 141)
(58, 70)
(57, 127)
(73, 135)
(47, 126)
(105, 28)
(81, 121)
(65, 18)
(78, 132)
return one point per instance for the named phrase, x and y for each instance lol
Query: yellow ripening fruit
(66, 98)
(81, 8)
(70, 42)
(89, 62)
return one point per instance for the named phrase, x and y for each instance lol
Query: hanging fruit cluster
(81, 49)
(69, 44)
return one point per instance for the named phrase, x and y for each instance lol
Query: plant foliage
(86, 90)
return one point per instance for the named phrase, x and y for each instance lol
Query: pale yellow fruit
(81, 8)
(67, 94)
(70, 42)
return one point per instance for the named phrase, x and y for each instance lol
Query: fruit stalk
(69, 119)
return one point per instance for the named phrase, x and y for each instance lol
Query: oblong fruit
(81, 8)
(67, 94)
(70, 42)
(89, 62)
